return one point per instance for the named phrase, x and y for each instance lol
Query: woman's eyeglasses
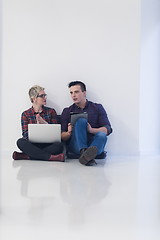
(42, 95)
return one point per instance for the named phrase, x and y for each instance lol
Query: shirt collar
(37, 112)
(76, 107)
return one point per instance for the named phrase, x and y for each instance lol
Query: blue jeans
(79, 138)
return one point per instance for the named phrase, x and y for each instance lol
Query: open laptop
(44, 133)
(76, 116)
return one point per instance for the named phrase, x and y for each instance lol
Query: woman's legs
(35, 152)
(54, 148)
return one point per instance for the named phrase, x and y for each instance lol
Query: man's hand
(95, 130)
(66, 135)
(40, 120)
(89, 128)
(69, 127)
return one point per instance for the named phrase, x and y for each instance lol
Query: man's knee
(81, 122)
(102, 135)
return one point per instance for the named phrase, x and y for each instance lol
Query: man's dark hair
(81, 84)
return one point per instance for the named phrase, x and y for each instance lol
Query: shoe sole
(88, 155)
(91, 163)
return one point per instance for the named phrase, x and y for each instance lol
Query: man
(86, 138)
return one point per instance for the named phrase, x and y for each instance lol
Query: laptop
(44, 133)
(76, 116)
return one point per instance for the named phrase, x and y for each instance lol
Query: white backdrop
(150, 78)
(51, 42)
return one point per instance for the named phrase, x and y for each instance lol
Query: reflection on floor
(117, 199)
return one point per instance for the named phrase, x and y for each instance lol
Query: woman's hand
(40, 120)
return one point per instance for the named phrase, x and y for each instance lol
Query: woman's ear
(34, 100)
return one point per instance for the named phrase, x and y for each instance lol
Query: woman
(38, 114)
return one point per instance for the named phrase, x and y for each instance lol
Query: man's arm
(66, 126)
(95, 130)
(66, 135)
(103, 120)
(102, 124)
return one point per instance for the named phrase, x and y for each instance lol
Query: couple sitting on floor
(85, 140)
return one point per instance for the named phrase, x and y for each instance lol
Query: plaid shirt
(97, 116)
(29, 116)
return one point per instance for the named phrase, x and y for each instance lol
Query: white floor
(117, 199)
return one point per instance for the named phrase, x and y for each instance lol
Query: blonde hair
(34, 91)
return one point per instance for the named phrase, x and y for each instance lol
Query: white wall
(50, 43)
(150, 78)
(0, 91)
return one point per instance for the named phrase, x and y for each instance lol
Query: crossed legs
(40, 151)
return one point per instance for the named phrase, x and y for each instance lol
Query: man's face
(77, 95)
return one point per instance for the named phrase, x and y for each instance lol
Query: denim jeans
(79, 138)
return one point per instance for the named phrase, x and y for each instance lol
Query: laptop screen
(44, 133)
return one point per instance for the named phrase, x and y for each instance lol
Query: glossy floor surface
(117, 199)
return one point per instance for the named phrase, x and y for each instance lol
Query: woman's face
(41, 98)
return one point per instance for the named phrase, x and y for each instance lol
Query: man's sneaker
(101, 155)
(88, 154)
(20, 156)
(59, 157)
(91, 163)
